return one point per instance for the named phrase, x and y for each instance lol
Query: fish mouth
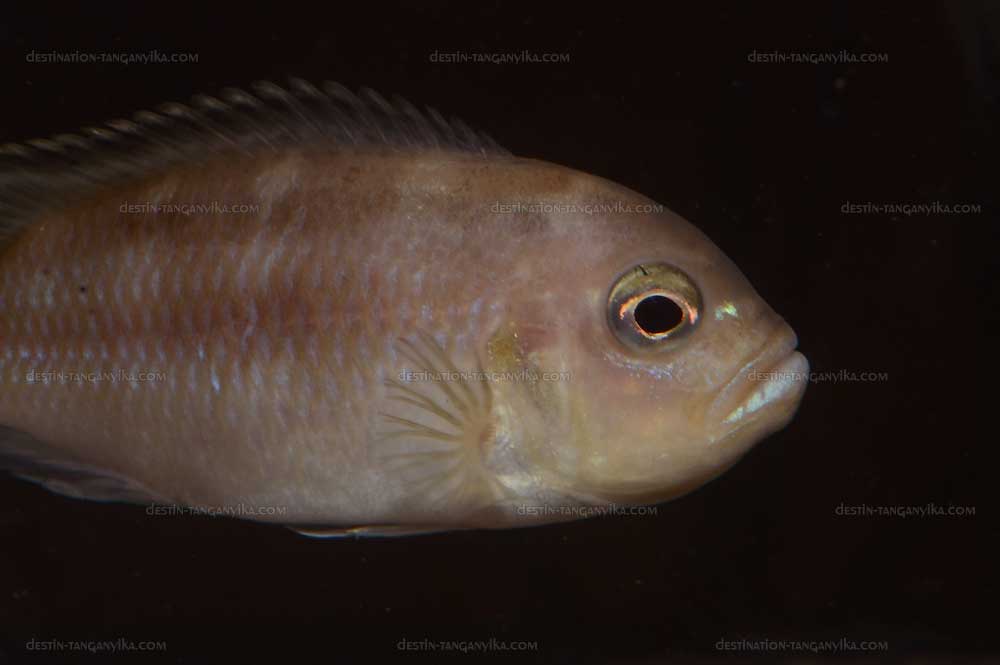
(767, 390)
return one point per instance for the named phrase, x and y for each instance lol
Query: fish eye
(652, 305)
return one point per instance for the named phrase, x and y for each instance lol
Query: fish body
(334, 313)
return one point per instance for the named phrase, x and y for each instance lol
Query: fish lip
(753, 418)
(778, 351)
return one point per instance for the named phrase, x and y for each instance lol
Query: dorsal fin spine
(44, 174)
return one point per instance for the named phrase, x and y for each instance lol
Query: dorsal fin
(43, 174)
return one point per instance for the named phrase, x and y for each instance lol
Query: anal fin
(373, 531)
(30, 459)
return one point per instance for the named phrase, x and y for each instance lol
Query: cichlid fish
(349, 316)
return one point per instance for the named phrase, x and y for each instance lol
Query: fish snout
(775, 377)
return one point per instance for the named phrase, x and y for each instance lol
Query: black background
(761, 156)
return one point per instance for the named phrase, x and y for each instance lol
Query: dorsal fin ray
(44, 174)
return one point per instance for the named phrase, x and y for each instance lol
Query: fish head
(653, 364)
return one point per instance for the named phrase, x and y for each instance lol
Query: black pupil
(657, 314)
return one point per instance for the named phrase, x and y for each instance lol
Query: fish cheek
(511, 359)
(536, 409)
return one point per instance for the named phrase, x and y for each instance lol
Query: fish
(338, 313)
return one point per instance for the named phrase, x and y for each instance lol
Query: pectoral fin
(437, 429)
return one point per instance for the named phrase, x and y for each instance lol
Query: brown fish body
(318, 335)
(257, 329)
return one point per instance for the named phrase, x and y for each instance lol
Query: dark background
(762, 156)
